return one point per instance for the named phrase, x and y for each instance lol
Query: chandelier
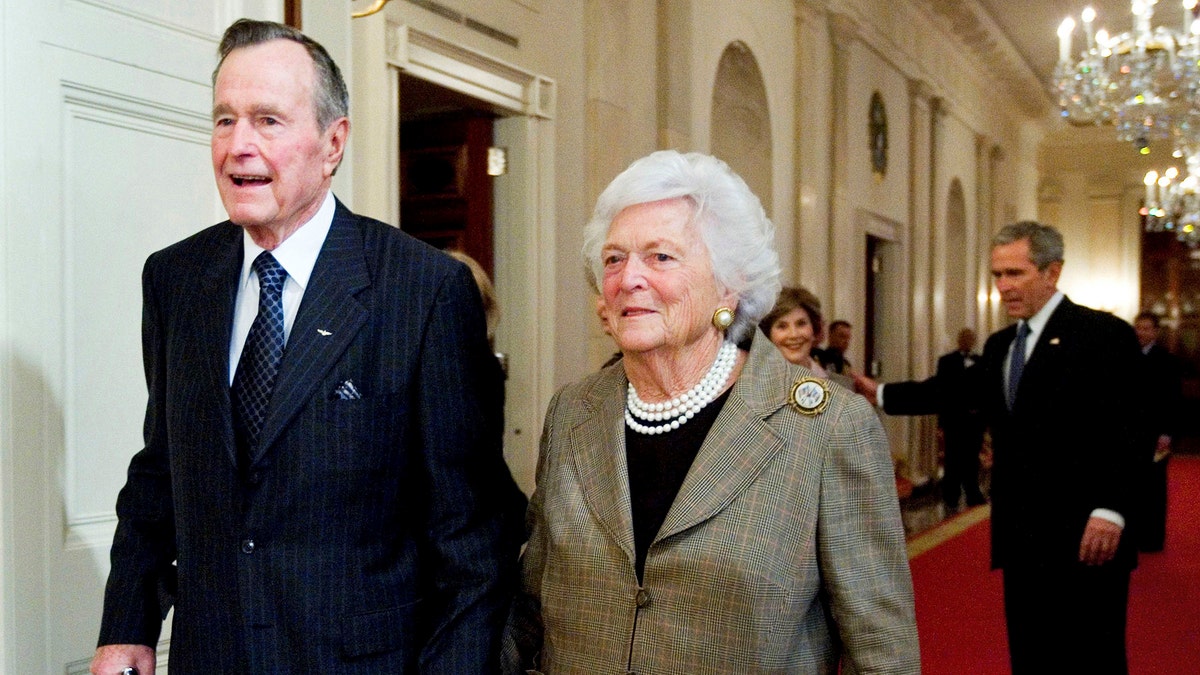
(1173, 202)
(1146, 84)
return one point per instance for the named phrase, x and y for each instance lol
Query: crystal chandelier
(1146, 83)
(1173, 202)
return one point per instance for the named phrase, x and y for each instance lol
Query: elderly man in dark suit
(960, 425)
(321, 488)
(1060, 392)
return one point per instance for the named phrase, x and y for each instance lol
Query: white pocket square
(346, 391)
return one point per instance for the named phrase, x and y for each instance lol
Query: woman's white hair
(735, 229)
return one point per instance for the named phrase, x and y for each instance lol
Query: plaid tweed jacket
(782, 553)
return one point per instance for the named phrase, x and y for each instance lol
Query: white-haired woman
(702, 507)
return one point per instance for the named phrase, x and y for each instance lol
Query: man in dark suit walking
(1061, 393)
(321, 488)
(960, 424)
(1164, 392)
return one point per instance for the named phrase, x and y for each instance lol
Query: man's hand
(114, 659)
(1100, 539)
(867, 387)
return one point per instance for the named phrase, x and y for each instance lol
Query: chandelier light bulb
(1064, 39)
(1089, 13)
(1151, 178)
(1171, 173)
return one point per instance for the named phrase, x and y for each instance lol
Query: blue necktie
(1016, 363)
(256, 371)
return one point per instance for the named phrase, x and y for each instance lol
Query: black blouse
(657, 466)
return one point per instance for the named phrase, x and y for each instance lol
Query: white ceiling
(1032, 25)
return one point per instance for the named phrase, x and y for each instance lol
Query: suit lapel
(218, 272)
(739, 445)
(995, 373)
(330, 317)
(1048, 345)
(599, 454)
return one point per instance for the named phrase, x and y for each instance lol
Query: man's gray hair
(331, 99)
(1045, 242)
(731, 221)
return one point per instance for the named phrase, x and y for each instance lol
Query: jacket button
(643, 598)
(247, 546)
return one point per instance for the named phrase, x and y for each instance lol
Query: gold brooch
(809, 396)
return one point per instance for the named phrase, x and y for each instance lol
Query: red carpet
(959, 601)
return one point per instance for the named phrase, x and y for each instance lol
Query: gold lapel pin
(1054, 341)
(324, 332)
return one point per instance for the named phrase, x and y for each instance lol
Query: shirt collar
(298, 253)
(1038, 321)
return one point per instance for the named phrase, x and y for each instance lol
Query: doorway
(1170, 287)
(446, 190)
(475, 173)
(872, 301)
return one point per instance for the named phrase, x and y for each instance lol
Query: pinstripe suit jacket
(367, 534)
(782, 552)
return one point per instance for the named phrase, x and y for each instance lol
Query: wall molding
(470, 72)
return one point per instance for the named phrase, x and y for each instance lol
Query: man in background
(1061, 392)
(1165, 395)
(960, 424)
(833, 357)
(322, 487)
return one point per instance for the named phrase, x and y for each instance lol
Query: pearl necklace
(676, 412)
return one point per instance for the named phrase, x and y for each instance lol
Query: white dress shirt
(297, 255)
(1037, 324)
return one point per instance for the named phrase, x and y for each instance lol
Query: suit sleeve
(925, 397)
(141, 582)
(937, 394)
(863, 558)
(469, 522)
(1122, 448)
(523, 639)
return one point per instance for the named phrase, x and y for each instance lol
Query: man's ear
(1053, 270)
(335, 138)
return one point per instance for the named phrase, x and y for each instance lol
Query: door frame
(524, 214)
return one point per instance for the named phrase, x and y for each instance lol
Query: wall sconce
(370, 10)
(497, 161)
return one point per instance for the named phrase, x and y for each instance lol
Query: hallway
(960, 605)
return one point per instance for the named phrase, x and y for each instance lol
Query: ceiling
(1032, 25)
